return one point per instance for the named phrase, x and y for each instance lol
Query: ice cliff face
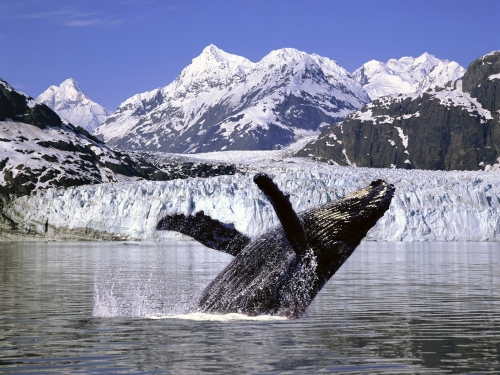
(406, 75)
(453, 127)
(69, 102)
(433, 206)
(226, 102)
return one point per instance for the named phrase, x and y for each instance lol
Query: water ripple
(393, 308)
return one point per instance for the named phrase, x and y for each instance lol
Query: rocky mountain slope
(70, 103)
(456, 127)
(226, 102)
(38, 150)
(406, 75)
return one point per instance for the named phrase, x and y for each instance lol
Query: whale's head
(334, 230)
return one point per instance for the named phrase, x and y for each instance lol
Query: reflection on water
(109, 307)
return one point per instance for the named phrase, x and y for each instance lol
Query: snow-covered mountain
(69, 102)
(226, 102)
(38, 150)
(451, 127)
(428, 205)
(406, 75)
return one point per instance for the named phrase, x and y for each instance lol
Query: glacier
(427, 206)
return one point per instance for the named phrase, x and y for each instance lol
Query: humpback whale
(281, 272)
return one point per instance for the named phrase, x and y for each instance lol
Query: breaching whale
(282, 271)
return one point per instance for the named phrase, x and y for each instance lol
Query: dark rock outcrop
(456, 127)
(478, 82)
(19, 107)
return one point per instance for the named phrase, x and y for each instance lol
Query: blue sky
(117, 48)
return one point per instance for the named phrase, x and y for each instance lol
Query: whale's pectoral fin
(292, 225)
(210, 232)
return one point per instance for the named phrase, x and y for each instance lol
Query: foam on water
(153, 280)
(137, 299)
(142, 298)
(198, 316)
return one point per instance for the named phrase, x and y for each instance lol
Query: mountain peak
(492, 53)
(213, 54)
(213, 51)
(426, 55)
(70, 83)
(406, 75)
(287, 54)
(225, 102)
(428, 59)
(72, 90)
(71, 103)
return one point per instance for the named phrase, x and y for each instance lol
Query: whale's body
(282, 271)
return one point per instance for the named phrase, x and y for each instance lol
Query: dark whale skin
(269, 276)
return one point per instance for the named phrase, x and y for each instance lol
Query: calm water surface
(393, 308)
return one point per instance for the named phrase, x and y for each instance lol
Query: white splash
(219, 317)
(132, 296)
